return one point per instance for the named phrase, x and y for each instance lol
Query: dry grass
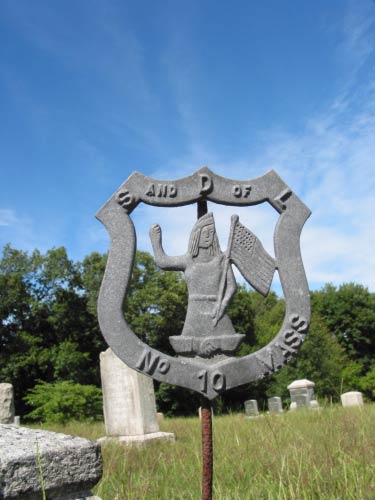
(304, 455)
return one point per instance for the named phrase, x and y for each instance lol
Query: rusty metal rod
(207, 449)
(206, 418)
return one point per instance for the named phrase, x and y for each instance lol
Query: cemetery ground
(327, 454)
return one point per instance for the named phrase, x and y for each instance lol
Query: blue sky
(92, 90)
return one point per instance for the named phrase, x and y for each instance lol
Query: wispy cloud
(329, 164)
(7, 217)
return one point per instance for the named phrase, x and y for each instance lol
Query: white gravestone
(6, 404)
(275, 405)
(129, 402)
(251, 408)
(302, 394)
(352, 398)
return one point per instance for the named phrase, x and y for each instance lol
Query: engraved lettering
(218, 381)
(162, 190)
(149, 362)
(298, 323)
(241, 191)
(282, 198)
(150, 190)
(202, 375)
(163, 366)
(124, 198)
(205, 183)
(287, 350)
(291, 338)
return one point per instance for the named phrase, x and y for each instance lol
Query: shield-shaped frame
(207, 379)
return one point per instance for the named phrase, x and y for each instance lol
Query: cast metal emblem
(204, 360)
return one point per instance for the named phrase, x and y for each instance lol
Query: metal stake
(206, 419)
(207, 449)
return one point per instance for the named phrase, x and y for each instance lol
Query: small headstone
(251, 408)
(70, 466)
(6, 404)
(275, 406)
(302, 394)
(17, 420)
(129, 403)
(352, 398)
(159, 416)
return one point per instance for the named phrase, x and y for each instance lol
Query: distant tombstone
(275, 405)
(302, 394)
(352, 398)
(6, 404)
(251, 408)
(129, 402)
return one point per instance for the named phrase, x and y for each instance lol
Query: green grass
(302, 455)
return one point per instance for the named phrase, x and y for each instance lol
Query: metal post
(206, 420)
(207, 449)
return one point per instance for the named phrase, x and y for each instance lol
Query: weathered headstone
(352, 398)
(6, 404)
(70, 466)
(129, 403)
(275, 406)
(302, 394)
(251, 408)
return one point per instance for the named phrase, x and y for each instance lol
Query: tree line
(50, 339)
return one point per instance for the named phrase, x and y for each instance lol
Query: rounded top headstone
(298, 384)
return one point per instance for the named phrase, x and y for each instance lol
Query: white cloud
(7, 217)
(329, 164)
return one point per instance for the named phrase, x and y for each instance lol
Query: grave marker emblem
(205, 347)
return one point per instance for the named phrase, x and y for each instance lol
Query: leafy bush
(64, 401)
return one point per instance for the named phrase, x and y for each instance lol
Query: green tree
(349, 313)
(47, 331)
(64, 401)
(320, 359)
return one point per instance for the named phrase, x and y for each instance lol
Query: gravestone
(352, 398)
(70, 466)
(251, 408)
(302, 394)
(275, 406)
(6, 404)
(129, 403)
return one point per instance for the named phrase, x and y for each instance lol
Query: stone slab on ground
(140, 440)
(71, 466)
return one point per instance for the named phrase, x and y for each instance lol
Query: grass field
(303, 455)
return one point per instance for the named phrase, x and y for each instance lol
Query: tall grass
(303, 455)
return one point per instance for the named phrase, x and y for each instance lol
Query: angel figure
(211, 285)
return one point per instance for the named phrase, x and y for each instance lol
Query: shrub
(64, 401)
